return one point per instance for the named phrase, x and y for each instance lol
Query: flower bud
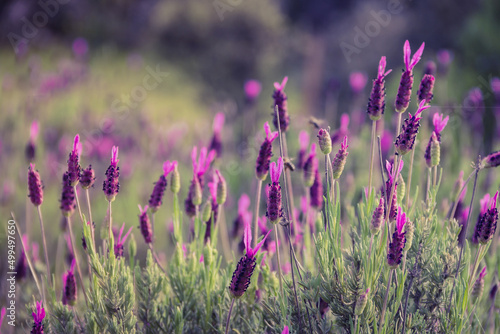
(325, 141)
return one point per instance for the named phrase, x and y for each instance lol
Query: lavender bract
(487, 224)
(340, 159)
(425, 91)
(155, 200)
(120, 242)
(38, 316)
(316, 191)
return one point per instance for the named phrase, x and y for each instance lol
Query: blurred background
(150, 75)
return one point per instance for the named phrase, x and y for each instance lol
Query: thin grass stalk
(293, 275)
(279, 264)
(291, 205)
(256, 211)
(90, 216)
(77, 261)
(382, 314)
(44, 240)
(397, 162)
(155, 256)
(224, 234)
(28, 213)
(372, 155)
(229, 315)
(480, 249)
(410, 174)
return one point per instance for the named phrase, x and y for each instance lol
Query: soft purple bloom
(406, 82)
(30, 150)
(244, 215)
(111, 184)
(495, 87)
(473, 109)
(378, 217)
(201, 166)
(35, 186)
(87, 178)
(68, 199)
(38, 317)
(252, 89)
(310, 165)
(69, 286)
(156, 198)
(274, 210)
(491, 160)
(74, 169)
(212, 187)
(386, 141)
(343, 131)
(406, 139)
(316, 191)
(357, 81)
(265, 153)
(430, 68)
(439, 123)
(396, 246)
(216, 143)
(444, 57)
(487, 224)
(376, 103)
(425, 91)
(392, 175)
(280, 100)
(245, 267)
(285, 330)
(145, 225)
(120, 242)
(80, 47)
(303, 144)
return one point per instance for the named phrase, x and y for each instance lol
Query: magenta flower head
(265, 153)
(245, 267)
(310, 165)
(111, 184)
(285, 330)
(478, 287)
(316, 191)
(439, 124)
(491, 160)
(38, 317)
(406, 83)
(280, 98)
(68, 199)
(216, 143)
(303, 144)
(357, 81)
(444, 58)
(30, 150)
(395, 251)
(87, 178)
(120, 242)
(69, 286)
(212, 187)
(156, 198)
(343, 131)
(252, 90)
(426, 88)
(145, 225)
(406, 139)
(340, 159)
(376, 103)
(487, 224)
(35, 186)
(201, 166)
(392, 176)
(74, 169)
(274, 210)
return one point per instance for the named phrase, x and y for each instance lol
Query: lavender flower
(252, 90)
(69, 286)
(216, 143)
(444, 58)
(245, 267)
(478, 287)
(265, 153)
(74, 169)
(111, 184)
(406, 139)
(155, 200)
(285, 330)
(194, 197)
(68, 199)
(30, 150)
(38, 317)
(221, 188)
(201, 166)
(325, 141)
(378, 217)
(316, 191)
(376, 103)
(395, 251)
(487, 224)
(357, 81)
(87, 178)
(392, 176)
(426, 88)
(145, 225)
(430, 68)
(35, 186)
(361, 302)
(274, 210)
(340, 159)
(491, 160)
(406, 82)
(310, 165)
(212, 186)
(120, 242)
(243, 215)
(303, 144)
(280, 98)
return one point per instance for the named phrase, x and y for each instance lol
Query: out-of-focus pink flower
(252, 89)
(80, 47)
(358, 81)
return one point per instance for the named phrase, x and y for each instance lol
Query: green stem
(229, 316)
(279, 264)
(224, 234)
(256, 211)
(372, 154)
(90, 216)
(77, 261)
(410, 172)
(78, 205)
(49, 278)
(382, 314)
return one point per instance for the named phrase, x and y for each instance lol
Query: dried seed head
(361, 302)
(377, 217)
(35, 187)
(325, 141)
(87, 178)
(340, 159)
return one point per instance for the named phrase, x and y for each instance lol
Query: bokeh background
(81, 67)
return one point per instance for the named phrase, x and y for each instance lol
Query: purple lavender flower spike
(216, 143)
(491, 160)
(357, 81)
(439, 124)
(30, 150)
(74, 169)
(156, 198)
(68, 199)
(392, 176)
(252, 90)
(340, 159)
(280, 98)
(145, 225)
(303, 144)
(38, 317)
(316, 191)
(487, 224)
(245, 267)
(406, 82)
(111, 184)
(212, 187)
(35, 186)
(285, 330)
(376, 103)
(430, 68)
(274, 210)
(406, 139)
(87, 178)
(395, 251)
(425, 91)
(265, 153)
(310, 165)
(69, 286)
(120, 242)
